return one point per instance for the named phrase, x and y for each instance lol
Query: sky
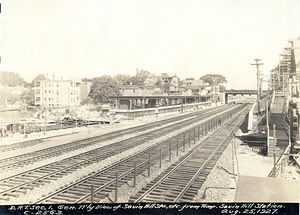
(189, 38)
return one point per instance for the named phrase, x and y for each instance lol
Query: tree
(12, 79)
(213, 79)
(102, 88)
(87, 80)
(123, 79)
(159, 83)
(8, 99)
(39, 77)
(141, 76)
(28, 97)
(222, 88)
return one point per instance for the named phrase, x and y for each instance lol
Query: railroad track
(181, 181)
(28, 158)
(104, 180)
(24, 144)
(14, 185)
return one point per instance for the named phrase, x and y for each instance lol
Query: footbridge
(241, 92)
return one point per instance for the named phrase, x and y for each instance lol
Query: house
(60, 93)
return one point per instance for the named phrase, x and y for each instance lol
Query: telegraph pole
(257, 64)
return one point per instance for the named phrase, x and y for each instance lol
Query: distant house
(198, 87)
(171, 81)
(60, 93)
(137, 90)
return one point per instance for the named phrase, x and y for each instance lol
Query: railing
(281, 162)
(280, 93)
(287, 130)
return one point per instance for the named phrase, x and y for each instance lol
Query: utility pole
(257, 64)
(46, 104)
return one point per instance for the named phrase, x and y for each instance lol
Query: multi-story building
(285, 81)
(171, 81)
(60, 93)
(294, 85)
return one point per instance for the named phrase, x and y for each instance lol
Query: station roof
(259, 189)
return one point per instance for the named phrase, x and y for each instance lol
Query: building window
(133, 90)
(57, 84)
(57, 100)
(57, 92)
(38, 99)
(38, 91)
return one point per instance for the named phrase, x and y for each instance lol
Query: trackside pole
(177, 147)
(134, 173)
(274, 168)
(149, 165)
(116, 190)
(189, 139)
(194, 136)
(92, 194)
(183, 142)
(160, 157)
(170, 148)
(274, 137)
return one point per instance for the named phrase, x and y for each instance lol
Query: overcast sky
(90, 38)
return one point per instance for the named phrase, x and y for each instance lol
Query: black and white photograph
(149, 107)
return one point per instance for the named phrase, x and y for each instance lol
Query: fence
(162, 110)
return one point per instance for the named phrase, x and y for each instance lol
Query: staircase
(277, 118)
(278, 113)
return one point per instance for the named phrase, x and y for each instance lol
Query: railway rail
(181, 181)
(14, 185)
(104, 180)
(27, 158)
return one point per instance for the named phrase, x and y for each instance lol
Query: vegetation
(28, 97)
(102, 88)
(215, 79)
(39, 77)
(8, 99)
(12, 79)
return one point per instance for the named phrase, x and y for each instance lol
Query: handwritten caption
(230, 208)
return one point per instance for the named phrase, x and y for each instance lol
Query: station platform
(259, 189)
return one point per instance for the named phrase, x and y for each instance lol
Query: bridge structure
(241, 92)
